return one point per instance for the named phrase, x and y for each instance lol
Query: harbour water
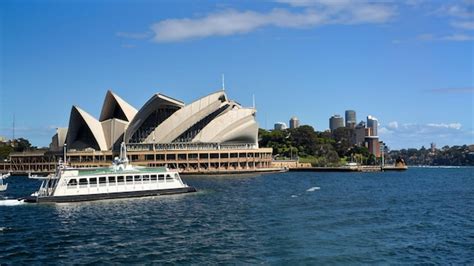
(422, 215)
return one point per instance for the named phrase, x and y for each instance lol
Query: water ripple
(418, 216)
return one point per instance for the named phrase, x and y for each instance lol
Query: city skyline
(408, 63)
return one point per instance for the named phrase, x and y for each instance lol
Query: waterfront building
(280, 126)
(162, 119)
(351, 120)
(372, 123)
(211, 134)
(294, 122)
(335, 122)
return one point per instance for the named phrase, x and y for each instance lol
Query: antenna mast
(13, 128)
(223, 82)
(253, 100)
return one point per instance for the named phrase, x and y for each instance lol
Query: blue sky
(408, 63)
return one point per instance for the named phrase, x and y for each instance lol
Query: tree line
(16, 145)
(335, 149)
(318, 148)
(453, 156)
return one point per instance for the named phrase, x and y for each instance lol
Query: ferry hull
(103, 196)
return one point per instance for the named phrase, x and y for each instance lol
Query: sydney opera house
(212, 133)
(213, 119)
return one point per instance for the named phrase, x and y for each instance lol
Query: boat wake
(11, 202)
(312, 189)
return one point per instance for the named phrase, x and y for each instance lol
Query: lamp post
(382, 149)
(64, 153)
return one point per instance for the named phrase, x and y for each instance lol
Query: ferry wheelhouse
(121, 180)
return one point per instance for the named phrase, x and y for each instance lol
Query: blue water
(417, 216)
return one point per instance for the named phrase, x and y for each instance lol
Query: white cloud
(457, 37)
(467, 25)
(463, 9)
(229, 22)
(456, 126)
(460, 16)
(453, 37)
(398, 135)
(393, 125)
(384, 131)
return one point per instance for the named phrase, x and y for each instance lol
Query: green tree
(21, 144)
(342, 137)
(5, 151)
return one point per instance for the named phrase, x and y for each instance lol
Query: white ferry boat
(121, 180)
(3, 186)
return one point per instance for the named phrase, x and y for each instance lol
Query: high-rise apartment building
(335, 122)
(372, 123)
(350, 119)
(294, 122)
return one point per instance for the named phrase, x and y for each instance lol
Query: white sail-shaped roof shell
(186, 117)
(162, 119)
(83, 126)
(116, 107)
(58, 139)
(156, 102)
(113, 131)
(234, 126)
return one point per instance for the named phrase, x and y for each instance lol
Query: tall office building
(335, 122)
(372, 123)
(294, 122)
(350, 119)
(280, 126)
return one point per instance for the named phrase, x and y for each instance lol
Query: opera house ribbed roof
(211, 119)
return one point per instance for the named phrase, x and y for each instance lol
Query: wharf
(187, 161)
(365, 168)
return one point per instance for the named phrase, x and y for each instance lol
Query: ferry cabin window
(138, 178)
(168, 177)
(93, 182)
(129, 179)
(112, 180)
(72, 183)
(83, 182)
(146, 178)
(161, 177)
(120, 180)
(102, 181)
(153, 177)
